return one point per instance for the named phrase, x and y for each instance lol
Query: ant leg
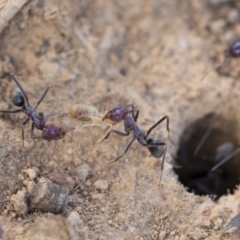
(205, 136)
(54, 148)
(214, 68)
(55, 114)
(163, 156)
(32, 133)
(21, 89)
(43, 96)
(23, 124)
(135, 117)
(117, 132)
(225, 160)
(106, 133)
(8, 111)
(125, 151)
(163, 160)
(157, 123)
(188, 165)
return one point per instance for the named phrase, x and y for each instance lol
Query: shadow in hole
(194, 171)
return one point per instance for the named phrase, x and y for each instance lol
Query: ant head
(116, 114)
(17, 98)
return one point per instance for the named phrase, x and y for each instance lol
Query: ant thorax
(38, 119)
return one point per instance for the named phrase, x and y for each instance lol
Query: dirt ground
(112, 53)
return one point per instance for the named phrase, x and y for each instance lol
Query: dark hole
(194, 170)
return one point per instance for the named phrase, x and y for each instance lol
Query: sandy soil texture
(105, 53)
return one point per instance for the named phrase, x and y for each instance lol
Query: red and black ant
(19, 98)
(156, 147)
(232, 52)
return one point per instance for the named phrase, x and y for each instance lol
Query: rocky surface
(112, 53)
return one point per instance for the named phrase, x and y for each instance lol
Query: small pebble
(74, 219)
(233, 16)
(101, 185)
(218, 223)
(32, 173)
(97, 196)
(82, 172)
(13, 215)
(75, 198)
(183, 237)
(88, 183)
(162, 235)
(85, 193)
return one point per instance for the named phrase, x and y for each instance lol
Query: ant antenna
(225, 160)
(214, 68)
(21, 89)
(43, 96)
(117, 99)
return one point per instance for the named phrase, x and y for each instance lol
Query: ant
(19, 98)
(232, 52)
(87, 113)
(156, 147)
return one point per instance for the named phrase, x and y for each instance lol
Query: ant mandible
(232, 52)
(156, 146)
(19, 98)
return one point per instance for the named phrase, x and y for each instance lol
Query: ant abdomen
(157, 151)
(82, 112)
(17, 98)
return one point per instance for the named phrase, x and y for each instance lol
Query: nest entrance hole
(194, 169)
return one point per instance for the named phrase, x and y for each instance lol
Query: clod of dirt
(195, 168)
(62, 179)
(49, 227)
(47, 196)
(32, 173)
(19, 202)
